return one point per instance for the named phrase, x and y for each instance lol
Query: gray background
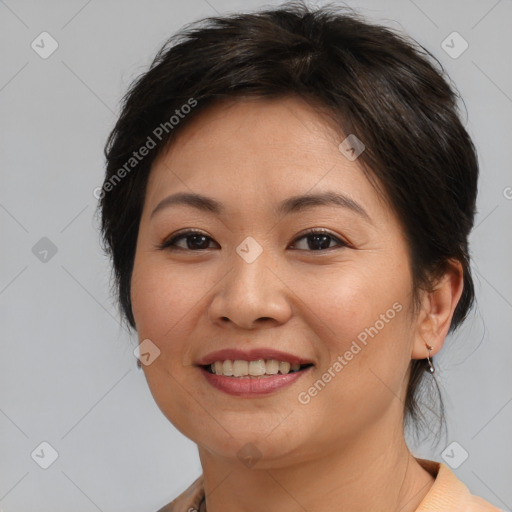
(67, 371)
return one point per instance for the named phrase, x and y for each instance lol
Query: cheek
(362, 323)
(162, 293)
(353, 298)
(163, 303)
(170, 306)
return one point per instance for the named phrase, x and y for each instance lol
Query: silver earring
(431, 368)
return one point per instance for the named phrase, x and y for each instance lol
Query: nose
(251, 294)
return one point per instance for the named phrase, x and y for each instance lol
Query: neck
(367, 473)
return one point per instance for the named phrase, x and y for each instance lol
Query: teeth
(227, 368)
(284, 367)
(272, 367)
(258, 368)
(240, 368)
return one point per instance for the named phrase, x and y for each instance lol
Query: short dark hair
(374, 83)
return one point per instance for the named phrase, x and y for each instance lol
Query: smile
(259, 368)
(247, 385)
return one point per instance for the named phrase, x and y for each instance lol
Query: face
(328, 283)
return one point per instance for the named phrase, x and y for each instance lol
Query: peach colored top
(447, 494)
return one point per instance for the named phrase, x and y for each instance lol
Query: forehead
(261, 128)
(255, 150)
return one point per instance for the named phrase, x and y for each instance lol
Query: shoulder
(450, 493)
(189, 500)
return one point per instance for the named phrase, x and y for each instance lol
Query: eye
(320, 239)
(194, 241)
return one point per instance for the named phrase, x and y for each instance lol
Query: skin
(345, 449)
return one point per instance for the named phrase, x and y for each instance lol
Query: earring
(431, 368)
(139, 364)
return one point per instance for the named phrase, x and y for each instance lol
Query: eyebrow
(291, 205)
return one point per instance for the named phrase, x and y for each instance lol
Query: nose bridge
(251, 290)
(250, 261)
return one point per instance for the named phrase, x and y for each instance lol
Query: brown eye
(194, 241)
(319, 240)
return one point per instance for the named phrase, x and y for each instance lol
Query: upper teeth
(240, 368)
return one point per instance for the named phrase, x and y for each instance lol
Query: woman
(287, 205)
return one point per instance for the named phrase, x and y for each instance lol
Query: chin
(257, 444)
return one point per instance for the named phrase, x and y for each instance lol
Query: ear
(437, 307)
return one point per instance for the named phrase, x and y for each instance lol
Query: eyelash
(169, 244)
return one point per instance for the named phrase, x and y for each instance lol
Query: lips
(251, 355)
(253, 387)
